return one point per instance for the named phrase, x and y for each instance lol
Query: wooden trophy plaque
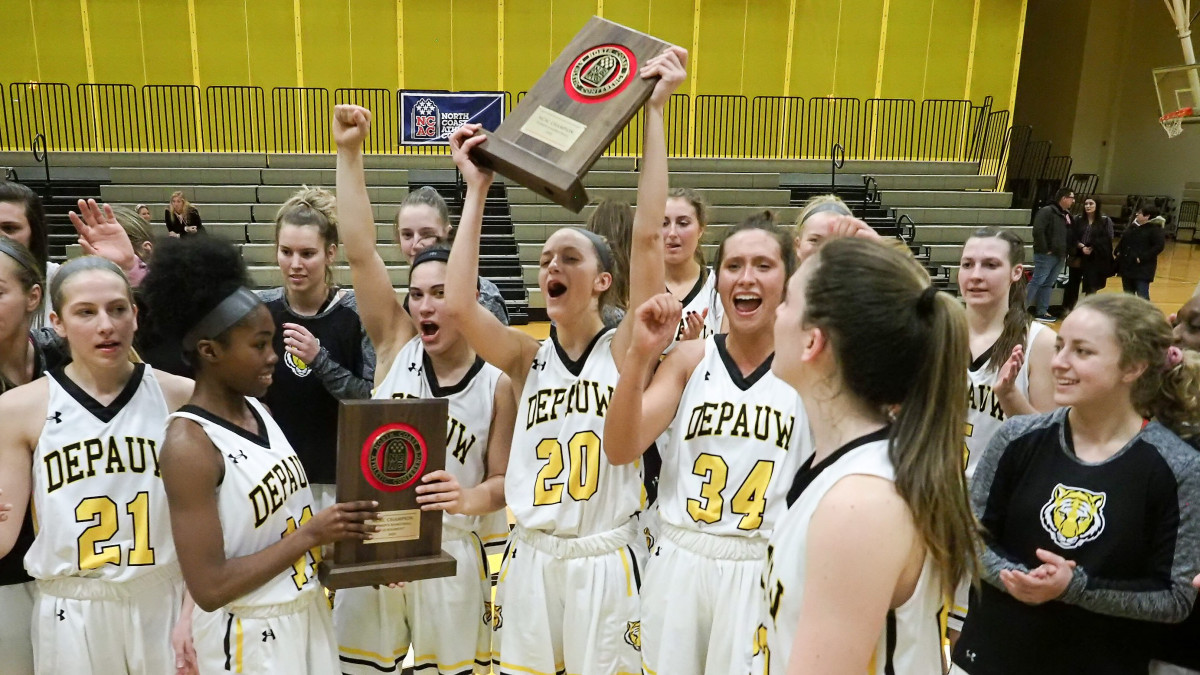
(384, 448)
(560, 128)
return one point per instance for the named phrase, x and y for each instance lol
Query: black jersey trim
(986, 356)
(228, 654)
(743, 382)
(575, 367)
(637, 573)
(395, 667)
(260, 439)
(889, 666)
(104, 413)
(807, 472)
(437, 389)
(696, 287)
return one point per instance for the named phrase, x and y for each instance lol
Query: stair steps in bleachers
(64, 197)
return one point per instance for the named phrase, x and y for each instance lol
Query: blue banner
(429, 117)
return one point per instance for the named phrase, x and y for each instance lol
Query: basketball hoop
(1172, 122)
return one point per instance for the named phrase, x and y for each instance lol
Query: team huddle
(758, 467)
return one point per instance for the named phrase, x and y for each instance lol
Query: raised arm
(508, 349)
(642, 408)
(647, 277)
(191, 472)
(383, 316)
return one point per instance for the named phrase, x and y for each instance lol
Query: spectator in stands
(1137, 252)
(144, 212)
(1050, 227)
(1090, 513)
(23, 219)
(613, 220)
(1090, 262)
(816, 220)
(324, 353)
(181, 218)
(22, 360)
(422, 221)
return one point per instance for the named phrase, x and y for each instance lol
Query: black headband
(227, 313)
(600, 244)
(837, 207)
(431, 254)
(12, 249)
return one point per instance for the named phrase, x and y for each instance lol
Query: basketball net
(1172, 122)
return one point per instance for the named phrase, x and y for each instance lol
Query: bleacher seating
(238, 195)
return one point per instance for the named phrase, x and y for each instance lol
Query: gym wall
(915, 49)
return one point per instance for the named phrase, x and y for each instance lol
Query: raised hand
(671, 69)
(461, 142)
(693, 325)
(100, 234)
(347, 520)
(300, 342)
(655, 323)
(1006, 378)
(848, 226)
(440, 491)
(351, 124)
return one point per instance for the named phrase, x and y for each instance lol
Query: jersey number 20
(581, 462)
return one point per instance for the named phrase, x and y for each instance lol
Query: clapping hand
(1043, 584)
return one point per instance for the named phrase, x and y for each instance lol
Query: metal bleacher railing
(119, 117)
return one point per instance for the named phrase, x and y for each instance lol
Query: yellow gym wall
(861, 48)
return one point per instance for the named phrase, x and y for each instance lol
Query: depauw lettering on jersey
(736, 420)
(104, 456)
(583, 396)
(276, 485)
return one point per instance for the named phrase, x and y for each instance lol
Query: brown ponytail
(613, 220)
(899, 342)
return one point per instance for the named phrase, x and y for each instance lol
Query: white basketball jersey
(559, 480)
(703, 296)
(470, 402)
(98, 499)
(735, 443)
(984, 415)
(910, 643)
(263, 497)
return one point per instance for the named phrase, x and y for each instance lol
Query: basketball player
(569, 584)
(447, 621)
(88, 436)
(1002, 381)
(688, 278)
(736, 433)
(878, 530)
(246, 531)
(817, 222)
(22, 360)
(1090, 515)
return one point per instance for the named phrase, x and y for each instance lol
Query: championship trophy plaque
(573, 113)
(384, 448)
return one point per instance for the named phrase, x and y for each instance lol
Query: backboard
(1179, 87)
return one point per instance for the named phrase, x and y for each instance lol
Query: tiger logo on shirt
(1073, 516)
